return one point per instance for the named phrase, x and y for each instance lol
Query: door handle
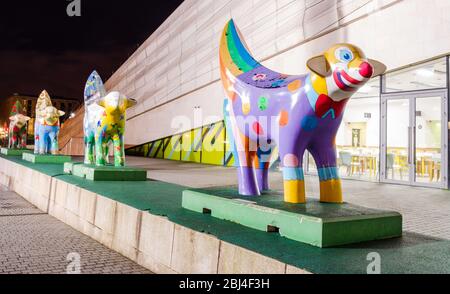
(413, 144)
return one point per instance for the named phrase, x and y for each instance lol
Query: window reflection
(357, 140)
(397, 140)
(428, 139)
(430, 75)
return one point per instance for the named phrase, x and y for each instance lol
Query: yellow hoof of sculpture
(294, 191)
(331, 191)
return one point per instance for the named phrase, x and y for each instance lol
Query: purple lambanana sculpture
(265, 108)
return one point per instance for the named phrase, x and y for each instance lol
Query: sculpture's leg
(293, 178)
(262, 169)
(330, 183)
(106, 152)
(262, 178)
(246, 152)
(89, 152)
(291, 156)
(24, 139)
(36, 137)
(119, 150)
(99, 144)
(89, 149)
(248, 185)
(9, 139)
(53, 140)
(42, 141)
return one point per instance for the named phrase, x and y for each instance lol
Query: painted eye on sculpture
(344, 54)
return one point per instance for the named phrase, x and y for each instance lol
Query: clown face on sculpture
(104, 122)
(265, 109)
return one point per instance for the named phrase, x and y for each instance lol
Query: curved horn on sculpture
(234, 55)
(44, 95)
(94, 88)
(236, 63)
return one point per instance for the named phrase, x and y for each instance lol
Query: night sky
(41, 47)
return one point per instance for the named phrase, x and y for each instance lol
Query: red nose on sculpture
(366, 70)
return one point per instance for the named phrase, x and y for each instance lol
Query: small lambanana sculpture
(42, 103)
(18, 127)
(104, 122)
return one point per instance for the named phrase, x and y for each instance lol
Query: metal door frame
(411, 97)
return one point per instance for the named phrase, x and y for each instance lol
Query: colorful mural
(265, 109)
(208, 145)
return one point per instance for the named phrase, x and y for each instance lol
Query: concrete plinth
(314, 223)
(105, 173)
(45, 158)
(14, 152)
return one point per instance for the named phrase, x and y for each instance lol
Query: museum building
(394, 130)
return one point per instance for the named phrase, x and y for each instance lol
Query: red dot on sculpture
(257, 128)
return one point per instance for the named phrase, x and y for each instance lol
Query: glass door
(397, 150)
(414, 139)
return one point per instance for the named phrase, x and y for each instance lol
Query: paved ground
(34, 242)
(425, 211)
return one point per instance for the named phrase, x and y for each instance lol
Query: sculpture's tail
(234, 58)
(234, 55)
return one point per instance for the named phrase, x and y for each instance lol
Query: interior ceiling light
(365, 89)
(424, 72)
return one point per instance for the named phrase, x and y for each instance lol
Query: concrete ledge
(237, 260)
(156, 243)
(105, 213)
(127, 231)
(194, 252)
(153, 242)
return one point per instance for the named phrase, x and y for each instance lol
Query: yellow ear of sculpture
(131, 102)
(27, 118)
(101, 102)
(319, 65)
(61, 113)
(378, 67)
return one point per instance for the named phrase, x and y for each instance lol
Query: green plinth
(46, 158)
(105, 173)
(14, 152)
(314, 223)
